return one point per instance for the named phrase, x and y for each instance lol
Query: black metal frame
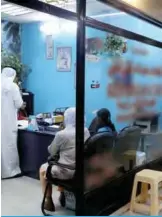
(122, 32)
(120, 5)
(80, 95)
(46, 8)
(44, 198)
(68, 185)
(82, 20)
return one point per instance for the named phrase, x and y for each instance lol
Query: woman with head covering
(11, 101)
(64, 146)
(102, 122)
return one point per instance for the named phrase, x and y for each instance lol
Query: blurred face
(24, 106)
(101, 168)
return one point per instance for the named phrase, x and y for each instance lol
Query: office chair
(126, 145)
(98, 143)
(69, 185)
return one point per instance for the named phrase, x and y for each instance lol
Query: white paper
(23, 124)
(55, 126)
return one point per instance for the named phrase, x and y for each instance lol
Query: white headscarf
(69, 117)
(7, 77)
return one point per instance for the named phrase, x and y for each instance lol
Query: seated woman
(102, 123)
(22, 114)
(64, 146)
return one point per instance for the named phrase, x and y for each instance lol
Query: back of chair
(127, 139)
(99, 143)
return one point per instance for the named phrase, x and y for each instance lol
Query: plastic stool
(130, 155)
(152, 178)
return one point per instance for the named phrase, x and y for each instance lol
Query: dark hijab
(103, 119)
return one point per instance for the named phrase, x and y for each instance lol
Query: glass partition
(123, 76)
(122, 91)
(107, 14)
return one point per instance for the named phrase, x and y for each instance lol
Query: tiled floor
(22, 197)
(124, 211)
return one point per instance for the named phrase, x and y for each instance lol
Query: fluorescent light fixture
(14, 10)
(109, 15)
(50, 28)
(58, 26)
(69, 26)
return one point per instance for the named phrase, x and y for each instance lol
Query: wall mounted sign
(95, 84)
(92, 58)
(94, 45)
(64, 55)
(49, 47)
(140, 51)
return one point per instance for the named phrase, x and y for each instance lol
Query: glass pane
(107, 14)
(69, 5)
(42, 50)
(123, 76)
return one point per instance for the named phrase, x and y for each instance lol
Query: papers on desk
(55, 126)
(140, 158)
(48, 120)
(39, 116)
(22, 124)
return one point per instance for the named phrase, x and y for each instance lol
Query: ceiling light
(50, 28)
(58, 26)
(109, 15)
(69, 26)
(14, 10)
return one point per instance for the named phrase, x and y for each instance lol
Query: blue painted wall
(51, 88)
(56, 89)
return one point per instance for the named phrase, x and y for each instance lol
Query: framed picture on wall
(49, 47)
(64, 55)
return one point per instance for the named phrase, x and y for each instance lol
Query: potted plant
(115, 45)
(12, 60)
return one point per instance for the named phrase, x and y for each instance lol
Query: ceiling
(94, 8)
(151, 7)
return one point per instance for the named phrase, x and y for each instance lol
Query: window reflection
(129, 75)
(107, 14)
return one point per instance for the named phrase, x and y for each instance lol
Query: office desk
(32, 147)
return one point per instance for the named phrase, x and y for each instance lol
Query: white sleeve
(17, 97)
(58, 141)
(86, 134)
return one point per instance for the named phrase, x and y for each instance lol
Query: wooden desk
(32, 147)
(148, 134)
